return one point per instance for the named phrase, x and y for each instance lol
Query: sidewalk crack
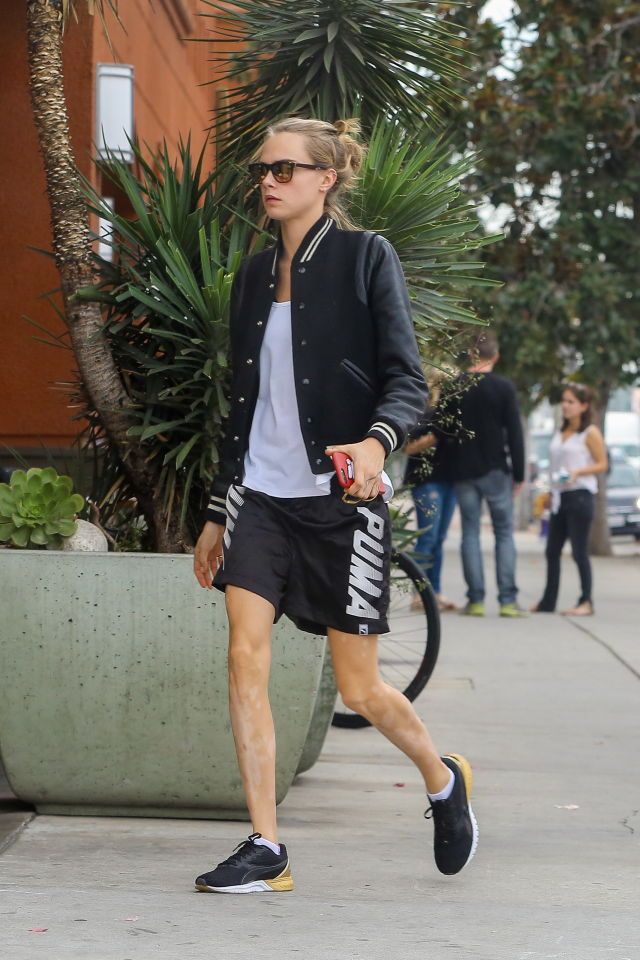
(603, 643)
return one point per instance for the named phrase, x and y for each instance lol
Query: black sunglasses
(282, 170)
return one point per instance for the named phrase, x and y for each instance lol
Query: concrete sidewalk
(548, 712)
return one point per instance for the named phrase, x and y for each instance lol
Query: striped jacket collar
(310, 243)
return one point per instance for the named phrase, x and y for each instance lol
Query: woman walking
(324, 360)
(577, 455)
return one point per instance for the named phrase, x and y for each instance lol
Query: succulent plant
(38, 508)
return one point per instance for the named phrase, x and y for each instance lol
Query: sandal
(444, 604)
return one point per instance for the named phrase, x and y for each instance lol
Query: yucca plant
(166, 302)
(410, 192)
(38, 508)
(166, 296)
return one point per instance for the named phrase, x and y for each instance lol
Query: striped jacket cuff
(386, 434)
(217, 510)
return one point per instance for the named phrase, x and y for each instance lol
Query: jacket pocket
(357, 374)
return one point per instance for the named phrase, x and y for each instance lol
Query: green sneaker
(512, 610)
(473, 610)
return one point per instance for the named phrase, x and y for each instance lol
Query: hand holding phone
(343, 466)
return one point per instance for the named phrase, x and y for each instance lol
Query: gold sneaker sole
(283, 883)
(465, 769)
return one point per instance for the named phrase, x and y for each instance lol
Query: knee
(247, 656)
(502, 521)
(580, 555)
(362, 699)
(470, 521)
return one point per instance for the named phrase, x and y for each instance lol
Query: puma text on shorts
(323, 562)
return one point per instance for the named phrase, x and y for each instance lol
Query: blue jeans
(496, 487)
(434, 503)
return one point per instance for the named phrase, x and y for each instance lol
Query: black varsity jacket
(355, 358)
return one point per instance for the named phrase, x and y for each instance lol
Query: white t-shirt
(276, 462)
(568, 455)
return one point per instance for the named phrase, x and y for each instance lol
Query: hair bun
(346, 127)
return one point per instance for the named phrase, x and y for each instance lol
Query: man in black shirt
(487, 464)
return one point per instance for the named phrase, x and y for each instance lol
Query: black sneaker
(455, 829)
(251, 868)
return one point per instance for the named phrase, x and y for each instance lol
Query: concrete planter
(113, 696)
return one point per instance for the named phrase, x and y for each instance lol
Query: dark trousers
(572, 521)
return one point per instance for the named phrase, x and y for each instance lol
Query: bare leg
(250, 623)
(355, 661)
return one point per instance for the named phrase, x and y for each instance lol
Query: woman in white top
(577, 455)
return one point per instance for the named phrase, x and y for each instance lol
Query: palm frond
(332, 59)
(410, 192)
(69, 9)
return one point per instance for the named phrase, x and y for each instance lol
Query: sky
(497, 9)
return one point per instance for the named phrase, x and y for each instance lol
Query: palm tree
(99, 373)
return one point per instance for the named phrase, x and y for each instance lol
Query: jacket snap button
(259, 323)
(305, 381)
(309, 420)
(271, 286)
(303, 343)
(236, 438)
(240, 399)
(249, 361)
(301, 306)
(318, 461)
(236, 477)
(302, 269)
(313, 443)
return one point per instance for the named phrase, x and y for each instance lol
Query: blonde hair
(334, 145)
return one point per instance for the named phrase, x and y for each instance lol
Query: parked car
(630, 452)
(622, 434)
(623, 499)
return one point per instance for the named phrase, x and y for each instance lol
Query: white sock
(261, 842)
(445, 793)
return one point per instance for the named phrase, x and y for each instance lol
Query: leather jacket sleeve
(404, 390)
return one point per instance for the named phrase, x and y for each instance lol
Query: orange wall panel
(30, 410)
(167, 103)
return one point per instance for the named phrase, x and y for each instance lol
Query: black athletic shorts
(323, 562)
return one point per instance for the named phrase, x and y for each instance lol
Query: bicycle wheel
(408, 653)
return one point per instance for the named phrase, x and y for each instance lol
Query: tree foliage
(553, 111)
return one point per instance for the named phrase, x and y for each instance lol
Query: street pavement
(547, 710)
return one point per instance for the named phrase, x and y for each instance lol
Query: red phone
(343, 465)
